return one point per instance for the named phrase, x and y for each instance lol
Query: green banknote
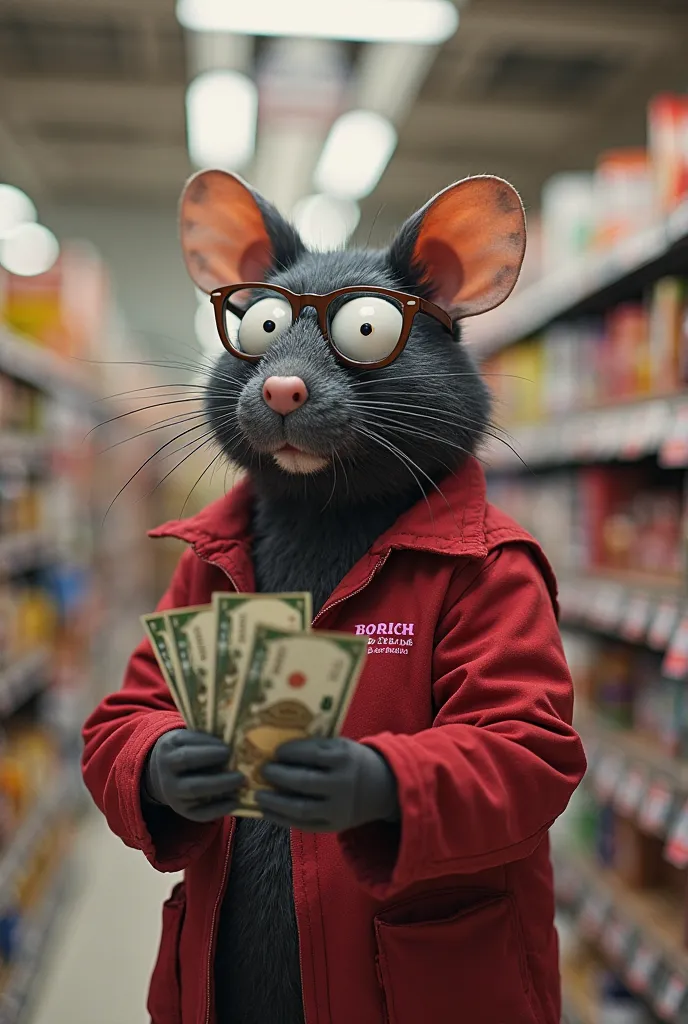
(193, 631)
(236, 617)
(296, 686)
(157, 630)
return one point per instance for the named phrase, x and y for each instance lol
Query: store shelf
(592, 285)
(634, 752)
(640, 933)
(637, 607)
(25, 448)
(36, 365)
(21, 552)
(20, 681)
(49, 807)
(16, 998)
(625, 432)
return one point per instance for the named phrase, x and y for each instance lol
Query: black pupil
(366, 329)
(269, 326)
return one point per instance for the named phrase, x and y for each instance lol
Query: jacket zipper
(218, 898)
(326, 608)
(376, 568)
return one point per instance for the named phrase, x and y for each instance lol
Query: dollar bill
(157, 630)
(193, 633)
(296, 686)
(237, 615)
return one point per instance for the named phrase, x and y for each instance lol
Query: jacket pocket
(164, 995)
(459, 964)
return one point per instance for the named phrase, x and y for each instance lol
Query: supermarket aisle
(99, 964)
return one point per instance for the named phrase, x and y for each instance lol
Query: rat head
(342, 376)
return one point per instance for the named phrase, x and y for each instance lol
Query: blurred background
(348, 116)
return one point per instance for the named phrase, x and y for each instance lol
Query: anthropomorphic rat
(401, 872)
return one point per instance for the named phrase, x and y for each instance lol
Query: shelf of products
(627, 433)
(603, 236)
(592, 283)
(639, 934)
(588, 364)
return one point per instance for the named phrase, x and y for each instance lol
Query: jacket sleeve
(482, 786)
(118, 737)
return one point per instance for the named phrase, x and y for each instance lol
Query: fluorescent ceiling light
(29, 250)
(15, 208)
(370, 21)
(355, 154)
(221, 116)
(324, 222)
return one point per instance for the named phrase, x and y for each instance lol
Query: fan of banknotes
(248, 669)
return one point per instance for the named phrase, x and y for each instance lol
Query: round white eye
(366, 329)
(262, 324)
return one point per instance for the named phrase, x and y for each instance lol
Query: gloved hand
(328, 785)
(187, 771)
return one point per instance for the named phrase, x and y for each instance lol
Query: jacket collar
(450, 523)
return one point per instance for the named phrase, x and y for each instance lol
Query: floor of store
(99, 968)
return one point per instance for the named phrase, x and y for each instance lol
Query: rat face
(301, 401)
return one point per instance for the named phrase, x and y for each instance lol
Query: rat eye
(262, 324)
(366, 329)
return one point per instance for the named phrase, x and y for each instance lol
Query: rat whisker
(417, 432)
(432, 482)
(145, 408)
(198, 480)
(171, 422)
(397, 454)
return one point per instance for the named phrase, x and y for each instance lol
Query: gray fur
(309, 531)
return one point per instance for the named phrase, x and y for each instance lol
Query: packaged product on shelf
(614, 683)
(629, 353)
(625, 197)
(568, 205)
(667, 303)
(668, 143)
(638, 858)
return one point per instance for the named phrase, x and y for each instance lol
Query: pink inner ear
(445, 270)
(255, 261)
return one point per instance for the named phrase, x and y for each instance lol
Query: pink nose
(285, 394)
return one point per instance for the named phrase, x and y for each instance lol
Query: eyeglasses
(364, 326)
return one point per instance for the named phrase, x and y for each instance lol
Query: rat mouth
(292, 459)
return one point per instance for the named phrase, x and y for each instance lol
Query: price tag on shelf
(593, 915)
(672, 998)
(655, 807)
(642, 968)
(607, 775)
(607, 606)
(674, 451)
(630, 791)
(676, 850)
(675, 664)
(636, 618)
(616, 938)
(635, 433)
(663, 623)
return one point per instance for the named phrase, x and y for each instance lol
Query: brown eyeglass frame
(410, 305)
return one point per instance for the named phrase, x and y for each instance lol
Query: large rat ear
(465, 246)
(229, 233)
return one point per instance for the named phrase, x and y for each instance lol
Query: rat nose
(285, 394)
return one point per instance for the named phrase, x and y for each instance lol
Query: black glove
(187, 771)
(328, 785)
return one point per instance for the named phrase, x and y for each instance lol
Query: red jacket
(467, 695)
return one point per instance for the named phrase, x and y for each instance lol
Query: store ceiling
(92, 96)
